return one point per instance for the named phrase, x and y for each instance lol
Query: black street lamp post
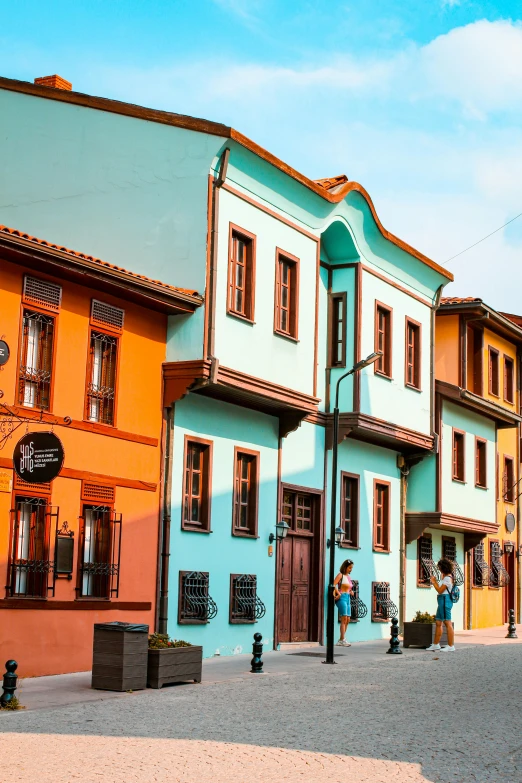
(333, 537)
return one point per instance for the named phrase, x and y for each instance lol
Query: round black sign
(510, 522)
(4, 353)
(38, 457)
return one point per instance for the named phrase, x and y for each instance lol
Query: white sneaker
(448, 649)
(340, 643)
(433, 648)
(344, 643)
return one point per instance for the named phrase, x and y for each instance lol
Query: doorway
(299, 575)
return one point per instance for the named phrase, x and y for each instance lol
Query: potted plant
(421, 631)
(171, 660)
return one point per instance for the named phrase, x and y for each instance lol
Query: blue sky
(419, 101)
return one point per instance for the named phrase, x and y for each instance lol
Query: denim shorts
(444, 607)
(344, 605)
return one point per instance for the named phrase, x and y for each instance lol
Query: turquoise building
(300, 281)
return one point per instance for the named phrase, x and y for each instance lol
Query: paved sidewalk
(373, 718)
(63, 689)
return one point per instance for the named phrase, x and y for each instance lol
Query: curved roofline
(216, 129)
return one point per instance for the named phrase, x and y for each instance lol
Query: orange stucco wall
(447, 348)
(47, 641)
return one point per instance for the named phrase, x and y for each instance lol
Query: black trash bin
(119, 661)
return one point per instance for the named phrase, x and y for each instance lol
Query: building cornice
(503, 417)
(362, 426)
(474, 530)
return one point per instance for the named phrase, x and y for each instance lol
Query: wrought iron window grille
(29, 562)
(428, 567)
(482, 574)
(384, 608)
(245, 604)
(359, 608)
(499, 575)
(101, 387)
(449, 552)
(195, 603)
(34, 375)
(100, 548)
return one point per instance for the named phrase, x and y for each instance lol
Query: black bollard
(257, 652)
(395, 645)
(9, 684)
(512, 628)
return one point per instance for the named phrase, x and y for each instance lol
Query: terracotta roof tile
(332, 182)
(449, 300)
(43, 243)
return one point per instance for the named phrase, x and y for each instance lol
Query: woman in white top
(444, 606)
(343, 588)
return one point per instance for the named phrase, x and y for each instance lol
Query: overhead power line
(481, 240)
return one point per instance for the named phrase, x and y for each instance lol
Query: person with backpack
(343, 589)
(448, 594)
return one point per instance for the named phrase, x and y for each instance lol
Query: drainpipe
(404, 469)
(165, 529)
(211, 294)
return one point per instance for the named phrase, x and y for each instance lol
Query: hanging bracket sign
(38, 457)
(4, 353)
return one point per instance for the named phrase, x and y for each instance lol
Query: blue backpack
(454, 594)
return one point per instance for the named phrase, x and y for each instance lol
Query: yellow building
(477, 353)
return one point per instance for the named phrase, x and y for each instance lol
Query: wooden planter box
(422, 635)
(174, 664)
(119, 660)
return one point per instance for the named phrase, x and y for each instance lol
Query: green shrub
(162, 641)
(424, 617)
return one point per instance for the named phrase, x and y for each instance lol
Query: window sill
(193, 622)
(240, 317)
(380, 620)
(384, 375)
(100, 424)
(92, 599)
(413, 388)
(336, 366)
(242, 622)
(480, 486)
(422, 586)
(241, 534)
(188, 529)
(349, 546)
(380, 551)
(494, 587)
(285, 336)
(458, 481)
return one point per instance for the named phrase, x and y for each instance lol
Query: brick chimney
(54, 81)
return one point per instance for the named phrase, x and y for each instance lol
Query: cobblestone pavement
(418, 717)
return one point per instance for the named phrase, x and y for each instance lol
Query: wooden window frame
(474, 381)
(190, 620)
(509, 388)
(353, 543)
(250, 274)
(54, 316)
(375, 618)
(386, 522)
(333, 330)
(205, 526)
(251, 532)
(114, 335)
(417, 355)
(493, 352)
(455, 474)
(293, 306)
(18, 496)
(114, 548)
(508, 491)
(422, 580)
(234, 620)
(479, 444)
(493, 575)
(387, 359)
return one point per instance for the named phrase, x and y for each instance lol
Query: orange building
(85, 343)
(478, 367)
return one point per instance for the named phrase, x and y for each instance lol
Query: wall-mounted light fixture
(339, 537)
(282, 529)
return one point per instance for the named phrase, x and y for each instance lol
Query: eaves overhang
(474, 530)
(209, 378)
(362, 426)
(477, 309)
(44, 257)
(502, 417)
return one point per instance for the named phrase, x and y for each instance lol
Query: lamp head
(373, 357)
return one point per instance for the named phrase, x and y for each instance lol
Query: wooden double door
(298, 578)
